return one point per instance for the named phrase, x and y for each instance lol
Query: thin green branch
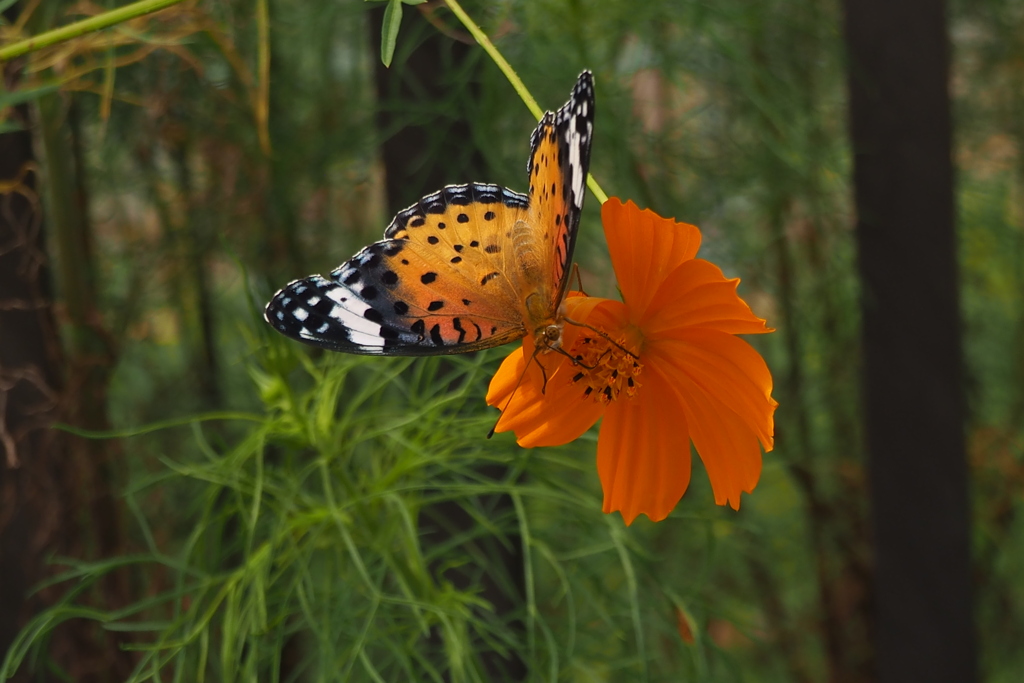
(80, 28)
(513, 78)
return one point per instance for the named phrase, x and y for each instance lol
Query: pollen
(607, 369)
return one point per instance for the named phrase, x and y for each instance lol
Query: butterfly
(465, 268)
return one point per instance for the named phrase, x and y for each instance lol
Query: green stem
(596, 189)
(80, 28)
(513, 78)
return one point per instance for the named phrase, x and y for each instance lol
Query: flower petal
(725, 389)
(726, 368)
(697, 293)
(644, 248)
(558, 412)
(643, 451)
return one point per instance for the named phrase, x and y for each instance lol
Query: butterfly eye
(553, 334)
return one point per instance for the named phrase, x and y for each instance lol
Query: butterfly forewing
(439, 283)
(454, 270)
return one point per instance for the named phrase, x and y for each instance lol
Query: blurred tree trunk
(55, 495)
(30, 379)
(192, 246)
(914, 396)
(55, 490)
(801, 226)
(428, 143)
(422, 153)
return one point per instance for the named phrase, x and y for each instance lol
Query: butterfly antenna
(604, 336)
(518, 383)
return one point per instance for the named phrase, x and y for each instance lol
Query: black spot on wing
(435, 335)
(546, 122)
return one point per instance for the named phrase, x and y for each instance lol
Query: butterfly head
(548, 337)
(546, 326)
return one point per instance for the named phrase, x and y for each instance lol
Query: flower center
(606, 367)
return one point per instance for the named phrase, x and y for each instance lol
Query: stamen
(609, 368)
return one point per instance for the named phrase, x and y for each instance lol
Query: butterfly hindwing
(559, 162)
(437, 285)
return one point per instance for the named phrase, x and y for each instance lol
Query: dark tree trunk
(30, 379)
(55, 490)
(428, 143)
(52, 498)
(914, 397)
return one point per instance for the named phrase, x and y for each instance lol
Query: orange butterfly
(466, 268)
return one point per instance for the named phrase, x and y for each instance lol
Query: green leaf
(5, 4)
(389, 31)
(10, 127)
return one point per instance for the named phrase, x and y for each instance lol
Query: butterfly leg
(579, 280)
(543, 373)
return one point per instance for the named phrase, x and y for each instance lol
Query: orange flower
(663, 368)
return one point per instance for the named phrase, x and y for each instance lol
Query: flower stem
(80, 28)
(513, 78)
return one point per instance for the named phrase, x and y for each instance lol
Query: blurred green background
(348, 520)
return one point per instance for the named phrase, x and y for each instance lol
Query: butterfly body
(465, 268)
